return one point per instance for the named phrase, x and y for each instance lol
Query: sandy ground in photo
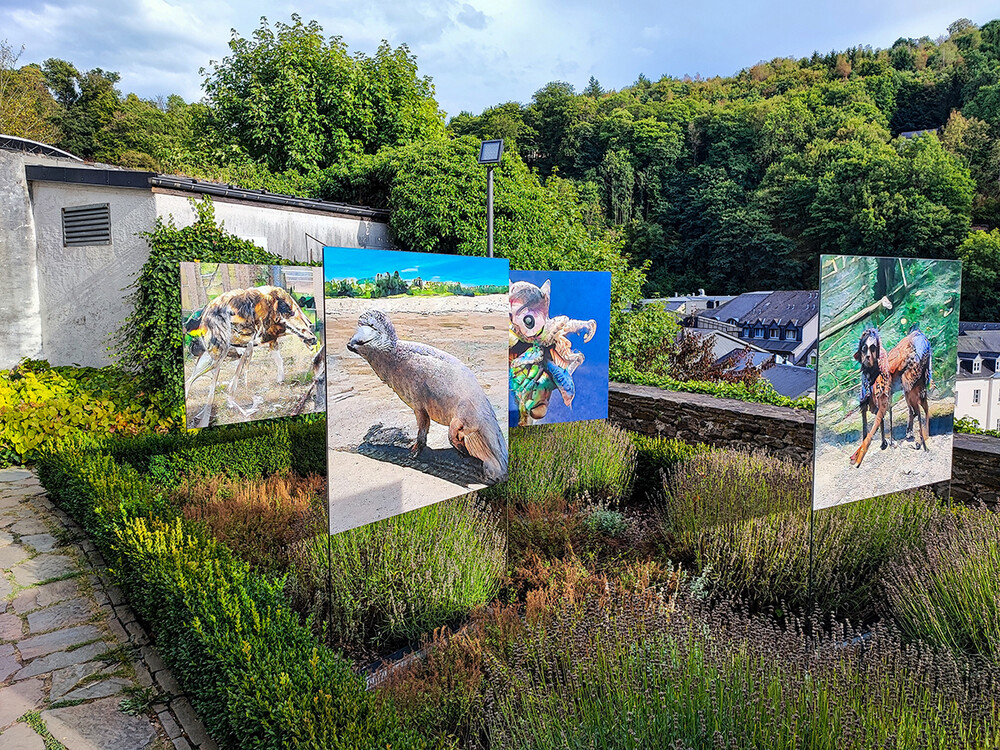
(276, 399)
(370, 430)
(897, 467)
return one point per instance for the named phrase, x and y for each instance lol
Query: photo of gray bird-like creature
(438, 387)
(416, 380)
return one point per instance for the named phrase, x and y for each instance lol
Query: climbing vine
(149, 343)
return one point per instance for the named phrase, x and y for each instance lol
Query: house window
(975, 396)
(86, 225)
(977, 366)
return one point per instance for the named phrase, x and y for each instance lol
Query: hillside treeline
(730, 184)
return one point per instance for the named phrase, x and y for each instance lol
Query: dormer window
(977, 365)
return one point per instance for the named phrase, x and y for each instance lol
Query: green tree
(293, 99)
(436, 192)
(980, 256)
(87, 103)
(26, 106)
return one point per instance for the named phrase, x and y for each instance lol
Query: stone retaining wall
(694, 417)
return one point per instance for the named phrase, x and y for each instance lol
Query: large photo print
(887, 366)
(253, 340)
(559, 340)
(416, 379)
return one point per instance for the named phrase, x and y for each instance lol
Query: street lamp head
(491, 151)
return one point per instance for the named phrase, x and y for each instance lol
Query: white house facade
(978, 384)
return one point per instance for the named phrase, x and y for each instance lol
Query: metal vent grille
(87, 225)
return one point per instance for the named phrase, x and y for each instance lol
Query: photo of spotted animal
(231, 311)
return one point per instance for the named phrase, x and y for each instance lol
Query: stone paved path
(76, 667)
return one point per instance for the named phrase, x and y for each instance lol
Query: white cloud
(478, 52)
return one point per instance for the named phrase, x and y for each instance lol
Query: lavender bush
(742, 521)
(948, 593)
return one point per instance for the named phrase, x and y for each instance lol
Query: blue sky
(478, 52)
(345, 263)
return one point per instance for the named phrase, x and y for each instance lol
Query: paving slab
(11, 555)
(15, 475)
(60, 659)
(19, 698)
(57, 640)
(72, 612)
(64, 680)
(21, 737)
(6, 588)
(6, 538)
(8, 661)
(99, 726)
(40, 542)
(46, 595)
(32, 525)
(43, 568)
(10, 627)
(101, 689)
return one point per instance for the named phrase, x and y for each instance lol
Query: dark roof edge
(126, 178)
(205, 187)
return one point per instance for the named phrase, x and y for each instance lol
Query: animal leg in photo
(917, 400)
(279, 363)
(423, 425)
(482, 446)
(858, 456)
(230, 389)
(203, 417)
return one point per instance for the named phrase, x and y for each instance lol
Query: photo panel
(416, 379)
(559, 340)
(253, 342)
(887, 369)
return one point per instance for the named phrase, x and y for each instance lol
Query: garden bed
(619, 591)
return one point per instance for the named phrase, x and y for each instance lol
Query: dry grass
(259, 520)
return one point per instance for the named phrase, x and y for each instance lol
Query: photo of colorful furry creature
(559, 342)
(231, 311)
(417, 380)
(887, 367)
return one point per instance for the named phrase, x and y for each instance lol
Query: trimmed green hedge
(762, 392)
(255, 674)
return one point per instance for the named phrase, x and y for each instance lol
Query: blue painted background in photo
(580, 295)
(348, 262)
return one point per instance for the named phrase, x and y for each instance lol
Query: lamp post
(490, 153)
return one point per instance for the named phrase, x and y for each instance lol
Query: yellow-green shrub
(44, 406)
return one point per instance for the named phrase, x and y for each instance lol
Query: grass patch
(34, 720)
(404, 576)
(948, 592)
(741, 521)
(553, 464)
(629, 673)
(259, 519)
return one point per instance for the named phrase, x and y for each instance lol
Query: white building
(978, 384)
(71, 243)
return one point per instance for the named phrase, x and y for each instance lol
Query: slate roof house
(978, 384)
(783, 323)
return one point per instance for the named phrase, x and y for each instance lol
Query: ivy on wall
(150, 341)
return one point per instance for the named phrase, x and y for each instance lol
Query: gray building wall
(81, 288)
(292, 233)
(20, 323)
(64, 303)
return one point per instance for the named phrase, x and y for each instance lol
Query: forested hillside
(729, 184)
